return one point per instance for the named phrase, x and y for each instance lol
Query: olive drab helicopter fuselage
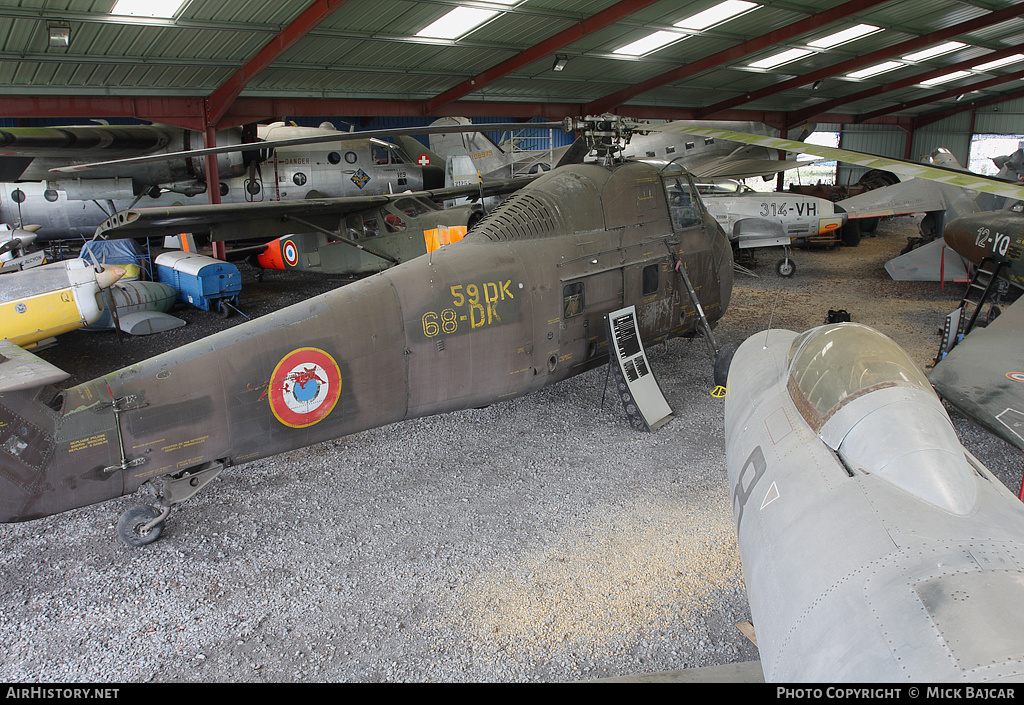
(519, 304)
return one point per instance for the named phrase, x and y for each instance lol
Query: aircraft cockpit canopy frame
(830, 366)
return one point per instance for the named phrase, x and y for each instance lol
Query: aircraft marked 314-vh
(518, 304)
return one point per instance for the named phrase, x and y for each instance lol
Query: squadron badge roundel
(304, 387)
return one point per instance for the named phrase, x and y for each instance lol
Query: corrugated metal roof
(365, 50)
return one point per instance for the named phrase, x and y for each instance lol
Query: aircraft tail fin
(21, 370)
(489, 159)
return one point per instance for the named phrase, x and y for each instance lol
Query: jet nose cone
(963, 236)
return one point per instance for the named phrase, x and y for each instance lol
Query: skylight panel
(946, 78)
(148, 8)
(781, 58)
(719, 13)
(655, 40)
(875, 70)
(460, 21)
(1012, 59)
(934, 51)
(847, 35)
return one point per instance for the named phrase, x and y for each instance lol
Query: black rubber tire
(851, 233)
(223, 309)
(129, 526)
(785, 267)
(722, 363)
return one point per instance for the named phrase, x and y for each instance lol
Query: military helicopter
(519, 304)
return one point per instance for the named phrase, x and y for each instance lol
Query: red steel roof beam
(614, 100)
(866, 60)
(218, 102)
(951, 93)
(602, 19)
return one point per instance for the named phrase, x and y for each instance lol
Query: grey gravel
(538, 539)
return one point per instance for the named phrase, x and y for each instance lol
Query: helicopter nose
(433, 177)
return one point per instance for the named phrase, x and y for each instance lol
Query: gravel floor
(539, 539)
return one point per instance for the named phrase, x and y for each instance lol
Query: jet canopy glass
(830, 366)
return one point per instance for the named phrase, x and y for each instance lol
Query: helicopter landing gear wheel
(140, 526)
(785, 267)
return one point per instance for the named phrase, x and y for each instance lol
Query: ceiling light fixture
(461, 21)
(945, 78)
(934, 51)
(781, 58)
(847, 35)
(719, 13)
(60, 36)
(165, 9)
(560, 61)
(876, 69)
(998, 62)
(650, 43)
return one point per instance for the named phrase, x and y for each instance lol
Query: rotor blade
(904, 168)
(313, 139)
(577, 151)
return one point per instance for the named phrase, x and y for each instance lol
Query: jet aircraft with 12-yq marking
(518, 304)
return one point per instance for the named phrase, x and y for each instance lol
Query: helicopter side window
(650, 279)
(379, 153)
(573, 299)
(392, 223)
(412, 207)
(685, 212)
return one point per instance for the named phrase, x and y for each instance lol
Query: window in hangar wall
(985, 147)
(825, 172)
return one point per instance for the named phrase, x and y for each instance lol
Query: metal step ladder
(984, 280)
(961, 321)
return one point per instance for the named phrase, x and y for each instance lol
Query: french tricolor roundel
(304, 387)
(290, 252)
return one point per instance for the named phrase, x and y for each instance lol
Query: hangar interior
(891, 77)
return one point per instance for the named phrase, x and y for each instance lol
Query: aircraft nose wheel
(141, 525)
(785, 267)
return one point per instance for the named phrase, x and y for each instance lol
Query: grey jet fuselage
(874, 547)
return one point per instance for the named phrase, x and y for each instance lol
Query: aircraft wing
(912, 196)
(733, 168)
(901, 167)
(983, 376)
(20, 369)
(270, 219)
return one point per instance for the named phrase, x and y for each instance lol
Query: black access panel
(637, 388)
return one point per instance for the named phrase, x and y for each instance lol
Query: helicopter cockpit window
(392, 223)
(684, 209)
(573, 300)
(379, 153)
(831, 366)
(412, 207)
